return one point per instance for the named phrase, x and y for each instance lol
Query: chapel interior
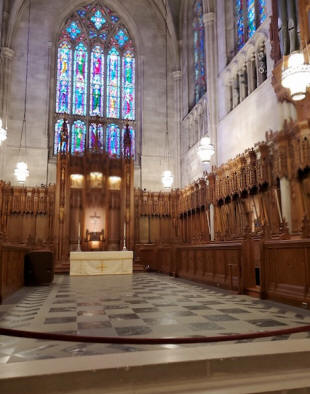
(155, 183)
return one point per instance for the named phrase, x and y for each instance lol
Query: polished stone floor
(145, 305)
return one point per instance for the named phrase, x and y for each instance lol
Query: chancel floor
(144, 305)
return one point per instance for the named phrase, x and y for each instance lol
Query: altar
(101, 263)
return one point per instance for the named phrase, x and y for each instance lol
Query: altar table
(101, 263)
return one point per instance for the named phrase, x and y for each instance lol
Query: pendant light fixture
(21, 171)
(167, 176)
(205, 150)
(296, 77)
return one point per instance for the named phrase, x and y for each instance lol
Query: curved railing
(148, 341)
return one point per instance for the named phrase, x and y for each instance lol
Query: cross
(95, 218)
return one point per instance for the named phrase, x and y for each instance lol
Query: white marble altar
(101, 263)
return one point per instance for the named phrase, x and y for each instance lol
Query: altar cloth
(101, 263)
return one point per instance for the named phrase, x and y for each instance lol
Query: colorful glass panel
(132, 139)
(114, 19)
(74, 30)
(113, 140)
(78, 137)
(96, 136)
(97, 82)
(199, 51)
(80, 80)
(64, 71)
(82, 13)
(98, 19)
(57, 141)
(262, 10)
(121, 37)
(128, 87)
(92, 34)
(240, 23)
(251, 18)
(113, 84)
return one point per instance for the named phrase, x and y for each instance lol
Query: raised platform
(265, 367)
(101, 263)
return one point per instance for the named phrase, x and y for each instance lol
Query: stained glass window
(98, 19)
(128, 86)
(199, 51)
(113, 140)
(96, 136)
(96, 79)
(121, 37)
(64, 70)
(132, 139)
(251, 18)
(58, 128)
(78, 137)
(113, 84)
(80, 80)
(239, 10)
(262, 10)
(74, 30)
(249, 15)
(97, 82)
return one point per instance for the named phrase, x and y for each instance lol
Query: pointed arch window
(95, 81)
(249, 15)
(199, 51)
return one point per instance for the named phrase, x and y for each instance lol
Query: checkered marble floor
(145, 305)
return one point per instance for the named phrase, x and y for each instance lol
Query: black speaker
(39, 270)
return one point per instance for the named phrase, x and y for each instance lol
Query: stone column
(209, 21)
(177, 78)
(242, 84)
(228, 96)
(6, 57)
(235, 91)
(285, 190)
(249, 72)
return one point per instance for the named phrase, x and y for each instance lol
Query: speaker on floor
(39, 268)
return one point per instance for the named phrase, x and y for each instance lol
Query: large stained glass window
(249, 15)
(199, 51)
(58, 129)
(128, 91)
(113, 84)
(95, 81)
(96, 136)
(132, 140)
(80, 80)
(78, 136)
(113, 140)
(64, 69)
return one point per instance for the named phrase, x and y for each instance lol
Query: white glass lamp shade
(21, 172)
(205, 150)
(167, 179)
(296, 77)
(3, 133)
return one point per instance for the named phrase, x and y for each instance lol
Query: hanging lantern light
(205, 150)
(297, 76)
(3, 133)
(21, 172)
(167, 179)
